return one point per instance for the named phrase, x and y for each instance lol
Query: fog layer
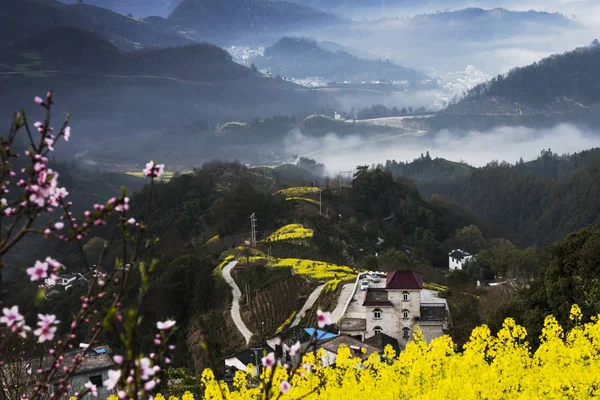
(476, 148)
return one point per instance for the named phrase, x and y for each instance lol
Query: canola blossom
(311, 201)
(290, 232)
(298, 191)
(502, 366)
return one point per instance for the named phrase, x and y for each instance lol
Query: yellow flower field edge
(565, 366)
(316, 270)
(219, 268)
(311, 201)
(299, 191)
(290, 232)
(213, 239)
(434, 287)
(286, 323)
(332, 285)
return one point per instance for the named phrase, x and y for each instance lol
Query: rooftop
(355, 345)
(376, 297)
(380, 340)
(253, 355)
(459, 254)
(293, 335)
(318, 334)
(353, 324)
(404, 279)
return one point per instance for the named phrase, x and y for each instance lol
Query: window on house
(405, 314)
(96, 380)
(377, 313)
(377, 329)
(406, 333)
(404, 296)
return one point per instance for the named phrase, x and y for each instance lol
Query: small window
(96, 380)
(406, 333)
(377, 329)
(404, 296)
(405, 314)
(377, 313)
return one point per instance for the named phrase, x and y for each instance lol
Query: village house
(395, 307)
(97, 362)
(457, 259)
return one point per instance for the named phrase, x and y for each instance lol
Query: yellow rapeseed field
(289, 232)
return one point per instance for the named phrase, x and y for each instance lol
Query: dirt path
(235, 304)
(309, 303)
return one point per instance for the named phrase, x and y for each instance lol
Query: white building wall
(79, 381)
(455, 263)
(388, 321)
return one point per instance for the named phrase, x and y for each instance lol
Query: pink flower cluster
(15, 321)
(43, 189)
(46, 329)
(45, 269)
(154, 170)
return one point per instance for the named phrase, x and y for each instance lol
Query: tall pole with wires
(253, 227)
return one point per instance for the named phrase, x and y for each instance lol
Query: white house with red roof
(394, 308)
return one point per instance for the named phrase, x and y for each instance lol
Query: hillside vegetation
(532, 203)
(302, 58)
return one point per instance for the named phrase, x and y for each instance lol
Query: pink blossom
(91, 388)
(21, 329)
(147, 370)
(295, 349)
(123, 206)
(118, 359)
(323, 319)
(154, 170)
(269, 360)
(285, 386)
(38, 271)
(67, 133)
(8, 211)
(47, 231)
(49, 142)
(113, 379)
(131, 221)
(59, 225)
(46, 331)
(168, 324)
(38, 100)
(149, 385)
(11, 316)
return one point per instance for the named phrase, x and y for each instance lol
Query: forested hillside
(560, 83)
(532, 203)
(301, 58)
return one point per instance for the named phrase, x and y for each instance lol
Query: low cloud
(474, 147)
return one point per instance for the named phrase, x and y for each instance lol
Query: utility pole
(253, 226)
(320, 213)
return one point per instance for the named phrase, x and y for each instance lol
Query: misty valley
(300, 199)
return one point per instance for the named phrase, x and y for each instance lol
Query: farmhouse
(457, 259)
(394, 308)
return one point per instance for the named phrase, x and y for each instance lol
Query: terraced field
(265, 310)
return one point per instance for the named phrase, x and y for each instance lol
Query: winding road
(309, 303)
(235, 303)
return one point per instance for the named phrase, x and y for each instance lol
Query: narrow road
(309, 303)
(340, 308)
(235, 304)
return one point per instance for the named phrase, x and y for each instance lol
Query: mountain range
(301, 58)
(119, 93)
(218, 20)
(139, 8)
(23, 18)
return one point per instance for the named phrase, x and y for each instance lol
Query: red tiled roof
(404, 279)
